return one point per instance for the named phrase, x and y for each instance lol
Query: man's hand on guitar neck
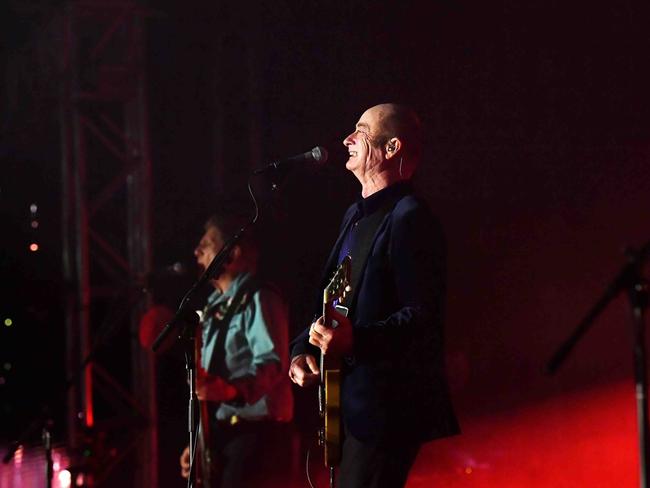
(338, 341)
(335, 341)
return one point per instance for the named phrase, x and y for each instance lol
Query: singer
(241, 375)
(394, 393)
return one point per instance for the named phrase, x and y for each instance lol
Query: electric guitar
(329, 391)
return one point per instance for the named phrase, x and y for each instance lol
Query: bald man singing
(394, 393)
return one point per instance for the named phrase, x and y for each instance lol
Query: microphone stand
(184, 315)
(49, 465)
(43, 421)
(629, 278)
(186, 320)
(188, 336)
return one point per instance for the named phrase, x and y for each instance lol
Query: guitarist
(241, 372)
(394, 393)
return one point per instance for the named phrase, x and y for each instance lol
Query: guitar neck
(327, 314)
(327, 362)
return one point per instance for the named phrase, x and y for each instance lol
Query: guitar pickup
(343, 311)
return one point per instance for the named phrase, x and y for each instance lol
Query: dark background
(536, 161)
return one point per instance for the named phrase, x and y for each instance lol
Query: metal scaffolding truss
(106, 219)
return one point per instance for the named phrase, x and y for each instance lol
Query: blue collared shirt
(256, 352)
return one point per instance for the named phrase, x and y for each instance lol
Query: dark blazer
(394, 384)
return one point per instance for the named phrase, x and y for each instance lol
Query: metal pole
(69, 235)
(83, 267)
(115, 115)
(639, 298)
(140, 251)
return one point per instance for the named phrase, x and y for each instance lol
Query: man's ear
(393, 146)
(236, 253)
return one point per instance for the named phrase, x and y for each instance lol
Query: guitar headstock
(339, 286)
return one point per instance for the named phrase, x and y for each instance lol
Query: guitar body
(204, 466)
(332, 417)
(330, 387)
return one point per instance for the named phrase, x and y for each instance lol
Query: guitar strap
(238, 300)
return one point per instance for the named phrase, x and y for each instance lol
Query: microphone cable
(311, 485)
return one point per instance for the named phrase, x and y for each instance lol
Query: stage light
(33, 208)
(18, 456)
(34, 224)
(7, 366)
(33, 247)
(9, 322)
(65, 478)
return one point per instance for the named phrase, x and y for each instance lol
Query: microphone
(317, 155)
(174, 269)
(165, 273)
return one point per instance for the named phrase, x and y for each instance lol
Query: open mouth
(352, 154)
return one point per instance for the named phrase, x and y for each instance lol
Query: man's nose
(348, 140)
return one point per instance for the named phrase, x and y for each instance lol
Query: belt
(234, 420)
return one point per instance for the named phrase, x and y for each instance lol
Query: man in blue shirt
(394, 393)
(242, 363)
